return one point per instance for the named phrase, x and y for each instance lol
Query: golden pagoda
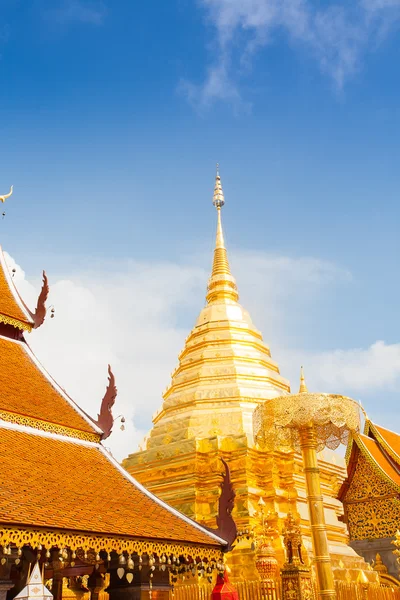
(225, 371)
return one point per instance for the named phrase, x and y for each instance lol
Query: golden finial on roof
(4, 198)
(303, 387)
(221, 285)
(218, 199)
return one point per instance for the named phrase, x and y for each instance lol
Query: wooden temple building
(65, 502)
(371, 496)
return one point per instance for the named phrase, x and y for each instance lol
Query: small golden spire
(222, 284)
(303, 387)
(4, 198)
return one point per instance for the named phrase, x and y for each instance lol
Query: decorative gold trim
(15, 323)
(46, 426)
(348, 450)
(374, 464)
(97, 542)
(383, 442)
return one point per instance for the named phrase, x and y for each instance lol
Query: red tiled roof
(58, 483)
(27, 390)
(11, 305)
(372, 449)
(389, 439)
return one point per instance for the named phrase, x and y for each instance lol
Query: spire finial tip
(218, 199)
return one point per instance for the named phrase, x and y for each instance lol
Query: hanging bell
(19, 551)
(130, 564)
(48, 554)
(122, 559)
(73, 555)
(98, 557)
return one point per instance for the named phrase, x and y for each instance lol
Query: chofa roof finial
(4, 198)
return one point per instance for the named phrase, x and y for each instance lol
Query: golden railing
(255, 590)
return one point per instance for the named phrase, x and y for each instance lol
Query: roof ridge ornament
(40, 312)
(4, 198)
(105, 418)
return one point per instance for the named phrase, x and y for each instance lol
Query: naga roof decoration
(105, 418)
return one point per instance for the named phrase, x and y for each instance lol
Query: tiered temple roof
(380, 447)
(371, 494)
(59, 486)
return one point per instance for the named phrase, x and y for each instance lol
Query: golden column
(308, 423)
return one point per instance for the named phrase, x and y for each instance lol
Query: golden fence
(255, 590)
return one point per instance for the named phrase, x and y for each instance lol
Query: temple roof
(380, 447)
(29, 395)
(376, 455)
(12, 309)
(389, 440)
(60, 483)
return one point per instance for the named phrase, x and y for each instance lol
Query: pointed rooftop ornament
(303, 387)
(222, 285)
(4, 198)
(218, 199)
(35, 587)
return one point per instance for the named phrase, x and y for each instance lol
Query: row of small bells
(175, 565)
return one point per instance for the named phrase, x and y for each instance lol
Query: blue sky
(112, 116)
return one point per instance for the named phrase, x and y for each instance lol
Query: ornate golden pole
(309, 422)
(308, 445)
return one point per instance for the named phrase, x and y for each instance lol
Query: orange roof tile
(391, 441)
(27, 390)
(371, 449)
(61, 483)
(12, 307)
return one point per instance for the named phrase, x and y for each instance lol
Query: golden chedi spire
(222, 285)
(303, 386)
(225, 368)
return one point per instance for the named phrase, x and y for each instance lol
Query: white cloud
(338, 36)
(356, 371)
(129, 314)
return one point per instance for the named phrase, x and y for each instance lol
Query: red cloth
(224, 590)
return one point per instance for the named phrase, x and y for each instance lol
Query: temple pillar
(5, 586)
(57, 585)
(95, 584)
